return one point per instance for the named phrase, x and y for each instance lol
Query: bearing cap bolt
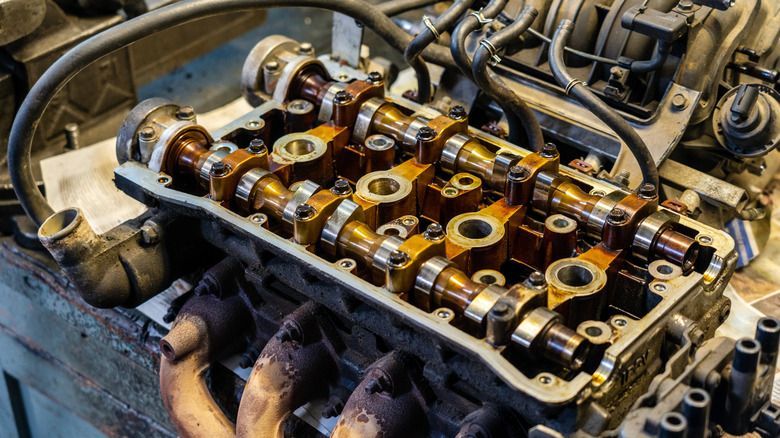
(397, 259)
(304, 212)
(458, 113)
(617, 217)
(647, 191)
(342, 98)
(257, 147)
(272, 66)
(220, 169)
(375, 78)
(147, 134)
(306, 49)
(426, 134)
(185, 113)
(434, 232)
(341, 188)
(536, 279)
(549, 150)
(518, 173)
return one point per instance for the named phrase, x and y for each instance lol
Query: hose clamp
(572, 83)
(481, 18)
(494, 58)
(429, 24)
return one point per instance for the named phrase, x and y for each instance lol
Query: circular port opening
(665, 269)
(384, 186)
(575, 276)
(673, 422)
(697, 397)
(299, 147)
(561, 223)
(475, 229)
(59, 222)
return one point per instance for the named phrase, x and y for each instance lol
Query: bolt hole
(487, 279)
(665, 269)
(546, 380)
(466, 181)
(705, 239)
(594, 331)
(475, 229)
(659, 287)
(575, 276)
(620, 322)
(449, 191)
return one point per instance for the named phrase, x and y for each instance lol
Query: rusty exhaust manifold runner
(434, 261)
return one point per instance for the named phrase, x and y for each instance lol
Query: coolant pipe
(386, 404)
(206, 330)
(297, 365)
(118, 268)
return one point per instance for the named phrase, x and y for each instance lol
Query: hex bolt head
(220, 169)
(185, 113)
(537, 279)
(434, 232)
(288, 332)
(271, 67)
(679, 101)
(647, 191)
(617, 217)
(458, 113)
(342, 98)
(304, 212)
(147, 134)
(549, 150)
(518, 173)
(150, 233)
(397, 259)
(306, 48)
(257, 147)
(375, 78)
(341, 188)
(426, 134)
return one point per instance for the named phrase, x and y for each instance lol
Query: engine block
(426, 277)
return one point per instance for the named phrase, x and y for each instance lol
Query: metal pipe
(205, 330)
(298, 364)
